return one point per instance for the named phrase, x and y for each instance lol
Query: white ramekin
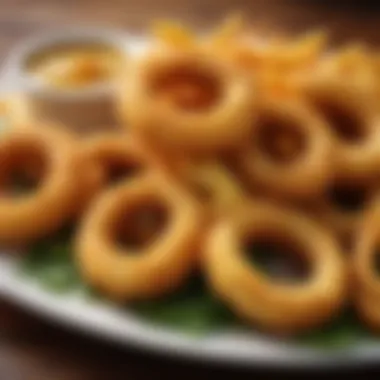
(81, 110)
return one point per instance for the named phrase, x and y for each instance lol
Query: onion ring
(343, 206)
(14, 111)
(276, 307)
(187, 101)
(50, 205)
(354, 61)
(366, 279)
(127, 274)
(224, 192)
(354, 121)
(212, 183)
(289, 153)
(111, 158)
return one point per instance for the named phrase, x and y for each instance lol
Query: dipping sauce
(76, 65)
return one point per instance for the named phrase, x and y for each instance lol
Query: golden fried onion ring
(110, 158)
(342, 207)
(351, 113)
(213, 180)
(353, 61)
(289, 153)
(50, 205)
(364, 268)
(14, 111)
(187, 100)
(275, 307)
(127, 274)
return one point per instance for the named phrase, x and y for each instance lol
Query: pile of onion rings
(230, 142)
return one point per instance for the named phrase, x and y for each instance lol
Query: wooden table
(30, 348)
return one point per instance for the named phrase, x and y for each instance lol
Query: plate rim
(86, 316)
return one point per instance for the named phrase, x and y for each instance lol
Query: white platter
(122, 327)
(108, 322)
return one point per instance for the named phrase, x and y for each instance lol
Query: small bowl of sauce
(71, 78)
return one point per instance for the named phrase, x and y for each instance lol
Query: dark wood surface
(32, 349)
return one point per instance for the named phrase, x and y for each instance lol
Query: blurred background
(33, 349)
(345, 19)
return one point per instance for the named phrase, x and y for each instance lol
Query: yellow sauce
(76, 66)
